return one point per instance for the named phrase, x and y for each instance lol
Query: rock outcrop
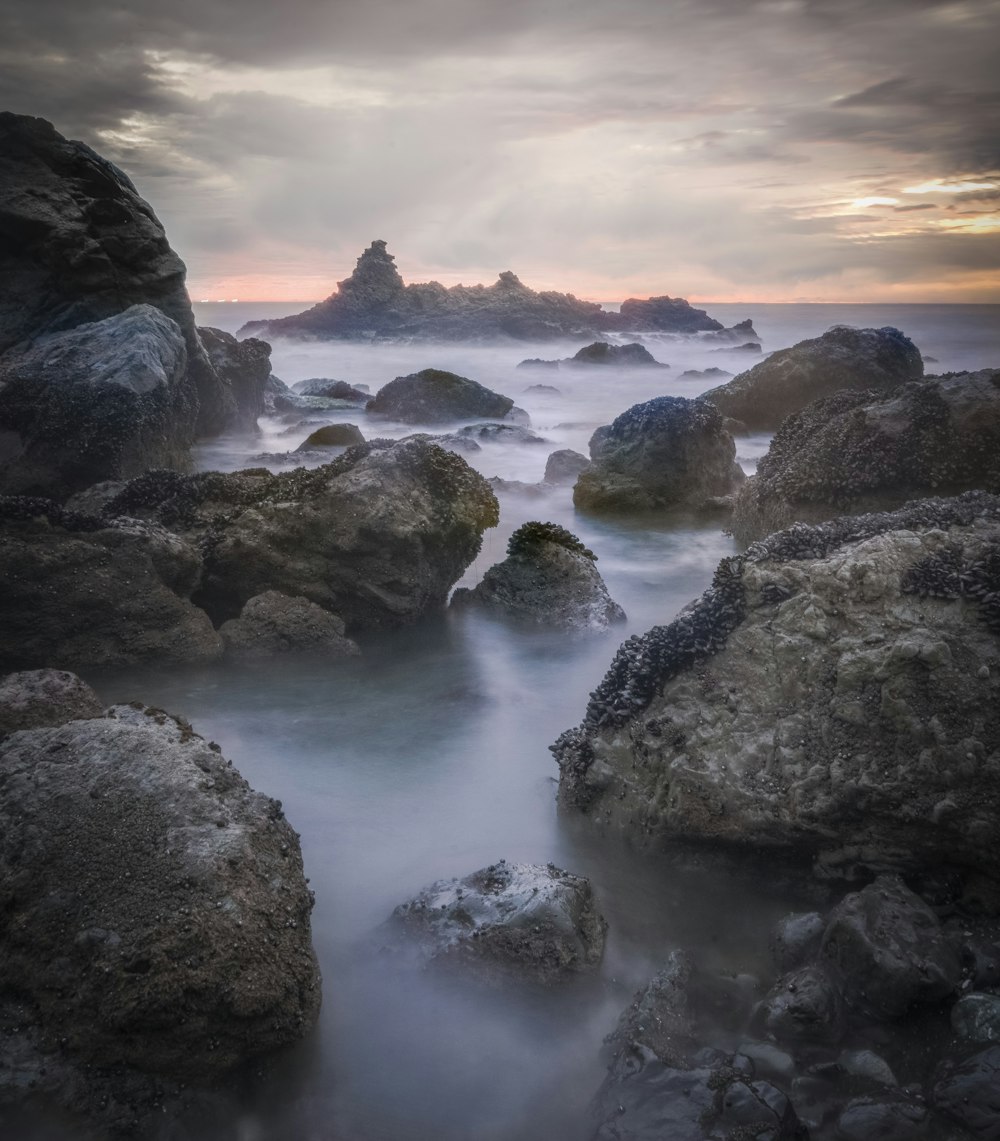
(667, 452)
(244, 367)
(379, 536)
(272, 623)
(77, 590)
(156, 912)
(507, 921)
(433, 396)
(332, 436)
(615, 356)
(549, 579)
(374, 304)
(37, 699)
(857, 452)
(880, 359)
(333, 389)
(834, 693)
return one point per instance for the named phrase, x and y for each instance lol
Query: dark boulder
(864, 451)
(616, 356)
(333, 389)
(668, 452)
(548, 578)
(564, 466)
(795, 937)
(434, 396)
(499, 434)
(272, 624)
(804, 1006)
(379, 536)
(520, 921)
(35, 699)
(968, 1092)
(888, 1118)
(976, 1016)
(157, 916)
(332, 436)
(244, 367)
(789, 379)
(101, 401)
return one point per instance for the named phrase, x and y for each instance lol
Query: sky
(727, 150)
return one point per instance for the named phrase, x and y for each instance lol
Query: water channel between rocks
(428, 757)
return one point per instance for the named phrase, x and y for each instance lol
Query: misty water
(428, 757)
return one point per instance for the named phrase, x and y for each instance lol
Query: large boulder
(76, 590)
(789, 379)
(864, 451)
(834, 693)
(80, 245)
(433, 396)
(272, 623)
(102, 401)
(548, 578)
(665, 315)
(617, 356)
(667, 452)
(244, 367)
(34, 699)
(520, 921)
(332, 436)
(379, 536)
(156, 915)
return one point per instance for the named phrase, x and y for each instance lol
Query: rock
(661, 1019)
(867, 1064)
(290, 404)
(274, 388)
(499, 434)
(272, 623)
(80, 591)
(548, 578)
(969, 1092)
(751, 348)
(668, 452)
(82, 246)
(833, 694)
(506, 921)
(768, 1060)
(157, 914)
(333, 389)
(94, 499)
(537, 362)
(804, 1006)
(516, 487)
(543, 389)
(790, 379)
(857, 452)
(794, 939)
(976, 1016)
(332, 436)
(742, 333)
(703, 373)
(564, 465)
(33, 699)
(244, 367)
(889, 950)
(379, 536)
(375, 304)
(616, 356)
(882, 1119)
(101, 401)
(434, 396)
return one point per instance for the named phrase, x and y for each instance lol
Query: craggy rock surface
(80, 245)
(102, 401)
(374, 303)
(433, 396)
(789, 379)
(34, 699)
(273, 623)
(78, 590)
(156, 915)
(379, 536)
(548, 578)
(244, 367)
(520, 921)
(836, 692)
(668, 452)
(332, 436)
(862, 451)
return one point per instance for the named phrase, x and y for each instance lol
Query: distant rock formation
(867, 451)
(374, 303)
(792, 378)
(601, 354)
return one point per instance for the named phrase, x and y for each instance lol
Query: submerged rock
(789, 379)
(616, 356)
(333, 389)
(507, 921)
(272, 623)
(379, 536)
(157, 913)
(77, 590)
(835, 692)
(548, 578)
(433, 396)
(34, 699)
(332, 436)
(864, 451)
(668, 452)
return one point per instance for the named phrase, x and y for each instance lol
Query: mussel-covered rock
(272, 623)
(34, 699)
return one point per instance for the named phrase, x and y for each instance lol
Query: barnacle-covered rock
(272, 624)
(865, 451)
(835, 692)
(33, 699)
(667, 452)
(548, 578)
(379, 536)
(789, 379)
